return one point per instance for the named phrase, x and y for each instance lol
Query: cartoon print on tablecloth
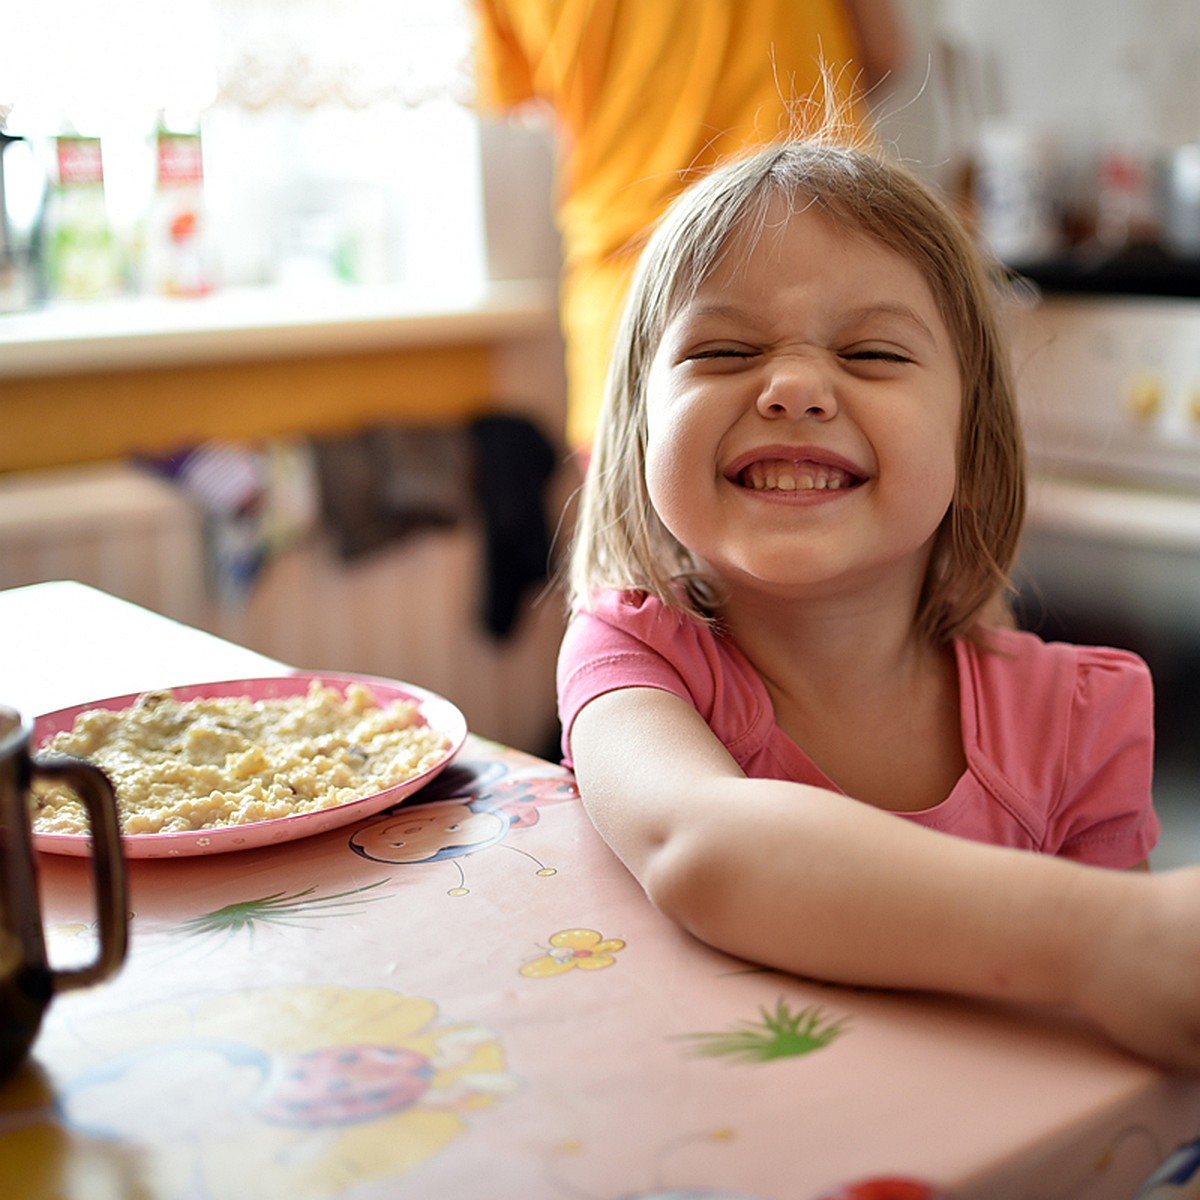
(66, 940)
(279, 908)
(570, 948)
(463, 777)
(282, 1091)
(216, 928)
(1178, 1178)
(520, 790)
(485, 807)
(715, 1137)
(779, 1034)
(1173, 1176)
(884, 1187)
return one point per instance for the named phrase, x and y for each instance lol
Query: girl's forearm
(817, 884)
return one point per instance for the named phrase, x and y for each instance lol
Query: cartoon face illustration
(430, 833)
(463, 778)
(521, 791)
(481, 808)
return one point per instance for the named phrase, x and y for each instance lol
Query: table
(501, 1014)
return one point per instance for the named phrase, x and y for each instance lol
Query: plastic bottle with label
(83, 257)
(178, 245)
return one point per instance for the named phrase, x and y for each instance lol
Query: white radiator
(109, 526)
(408, 612)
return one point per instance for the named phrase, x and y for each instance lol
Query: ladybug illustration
(338, 1085)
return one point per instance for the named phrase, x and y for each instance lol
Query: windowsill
(266, 322)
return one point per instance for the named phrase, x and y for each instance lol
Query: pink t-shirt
(1059, 739)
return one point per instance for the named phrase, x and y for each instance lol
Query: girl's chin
(819, 582)
(759, 581)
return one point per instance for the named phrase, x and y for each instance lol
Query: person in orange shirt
(648, 94)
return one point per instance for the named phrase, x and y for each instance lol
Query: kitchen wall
(1086, 78)
(1086, 71)
(1096, 82)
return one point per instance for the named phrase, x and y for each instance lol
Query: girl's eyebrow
(896, 309)
(728, 311)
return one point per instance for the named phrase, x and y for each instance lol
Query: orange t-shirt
(647, 92)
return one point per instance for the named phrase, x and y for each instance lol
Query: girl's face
(803, 414)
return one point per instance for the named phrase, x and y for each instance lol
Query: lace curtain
(352, 53)
(70, 62)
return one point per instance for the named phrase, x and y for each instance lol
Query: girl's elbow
(678, 880)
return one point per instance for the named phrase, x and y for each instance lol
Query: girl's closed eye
(715, 353)
(883, 355)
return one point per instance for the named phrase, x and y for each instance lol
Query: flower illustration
(296, 1091)
(583, 948)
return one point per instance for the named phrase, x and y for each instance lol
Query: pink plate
(435, 711)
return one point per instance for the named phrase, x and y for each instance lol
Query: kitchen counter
(92, 383)
(241, 323)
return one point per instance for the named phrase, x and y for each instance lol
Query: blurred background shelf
(267, 321)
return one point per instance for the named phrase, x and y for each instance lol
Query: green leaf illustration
(779, 1034)
(278, 909)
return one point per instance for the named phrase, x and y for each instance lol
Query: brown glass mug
(27, 980)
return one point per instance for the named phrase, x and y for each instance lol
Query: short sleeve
(599, 656)
(1106, 814)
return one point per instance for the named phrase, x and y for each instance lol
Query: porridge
(182, 766)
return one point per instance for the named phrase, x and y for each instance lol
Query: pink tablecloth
(469, 997)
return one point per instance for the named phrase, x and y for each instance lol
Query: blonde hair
(621, 543)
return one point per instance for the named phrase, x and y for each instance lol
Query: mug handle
(95, 791)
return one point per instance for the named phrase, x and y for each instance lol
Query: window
(339, 144)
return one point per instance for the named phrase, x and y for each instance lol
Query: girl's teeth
(785, 477)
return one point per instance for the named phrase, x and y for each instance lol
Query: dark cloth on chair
(513, 464)
(384, 483)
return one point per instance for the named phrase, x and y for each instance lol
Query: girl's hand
(1140, 981)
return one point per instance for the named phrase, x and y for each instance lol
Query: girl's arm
(814, 883)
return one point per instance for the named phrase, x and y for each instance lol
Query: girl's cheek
(671, 486)
(664, 427)
(674, 398)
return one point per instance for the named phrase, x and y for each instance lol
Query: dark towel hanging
(513, 463)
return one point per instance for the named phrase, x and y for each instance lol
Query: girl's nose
(798, 389)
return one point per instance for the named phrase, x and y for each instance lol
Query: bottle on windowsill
(83, 257)
(178, 245)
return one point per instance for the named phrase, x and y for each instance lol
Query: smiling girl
(785, 694)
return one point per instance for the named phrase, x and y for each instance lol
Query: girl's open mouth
(786, 475)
